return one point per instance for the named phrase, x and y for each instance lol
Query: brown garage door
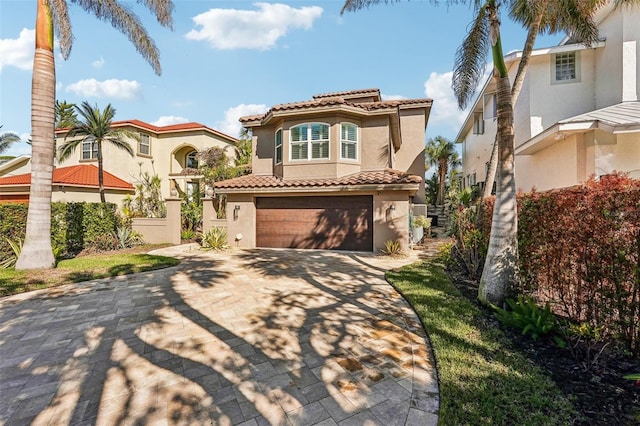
(337, 223)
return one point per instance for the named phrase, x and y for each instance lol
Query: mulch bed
(597, 388)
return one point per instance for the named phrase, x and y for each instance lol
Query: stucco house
(340, 171)
(578, 113)
(168, 151)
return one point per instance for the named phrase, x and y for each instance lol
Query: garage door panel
(341, 223)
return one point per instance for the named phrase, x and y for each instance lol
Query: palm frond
(162, 9)
(127, 22)
(62, 25)
(120, 143)
(68, 147)
(471, 59)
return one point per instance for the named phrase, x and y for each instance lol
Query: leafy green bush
(127, 237)
(527, 316)
(215, 239)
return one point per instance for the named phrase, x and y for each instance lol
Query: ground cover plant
(484, 379)
(84, 268)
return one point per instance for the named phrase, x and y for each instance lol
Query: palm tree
(500, 271)
(95, 128)
(442, 153)
(6, 139)
(36, 252)
(66, 115)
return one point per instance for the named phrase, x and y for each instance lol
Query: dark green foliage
(527, 316)
(74, 226)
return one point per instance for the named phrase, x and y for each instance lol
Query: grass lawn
(482, 380)
(83, 268)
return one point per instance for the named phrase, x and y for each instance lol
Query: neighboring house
(168, 151)
(16, 166)
(70, 184)
(578, 113)
(341, 171)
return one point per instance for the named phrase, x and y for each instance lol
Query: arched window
(309, 141)
(192, 160)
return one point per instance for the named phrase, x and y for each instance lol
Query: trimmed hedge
(579, 249)
(74, 226)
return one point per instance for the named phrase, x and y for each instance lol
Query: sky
(226, 59)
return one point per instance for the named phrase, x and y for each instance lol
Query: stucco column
(209, 213)
(174, 222)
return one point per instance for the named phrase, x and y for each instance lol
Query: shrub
(215, 239)
(126, 237)
(392, 247)
(525, 315)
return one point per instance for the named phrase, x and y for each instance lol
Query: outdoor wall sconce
(237, 239)
(390, 213)
(236, 211)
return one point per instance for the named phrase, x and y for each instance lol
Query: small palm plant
(215, 239)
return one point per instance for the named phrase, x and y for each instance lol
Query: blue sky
(226, 59)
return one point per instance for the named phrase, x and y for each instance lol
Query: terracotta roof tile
(380, 177)
(80, 175)
(347, 93)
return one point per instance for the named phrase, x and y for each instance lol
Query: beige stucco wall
(244, 222)
(553, 167)
(411, 156)
(19, 168)
(628, 154)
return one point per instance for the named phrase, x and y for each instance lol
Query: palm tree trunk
(442, 169)
(36, 252)
(501, 265)
(100, 172)
(523, 66)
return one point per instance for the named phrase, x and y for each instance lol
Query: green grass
(482, 380)
(81, 269)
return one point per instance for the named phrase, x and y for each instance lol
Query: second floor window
(349, 141)
(89, 150)
(565, 66)
(192, 160)
(279, 146)
(309, 141)
(478, 124)
(144, 145)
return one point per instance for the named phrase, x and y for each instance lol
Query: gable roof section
(83, 175)
(173, 128)
(619, 118)
(388, 178)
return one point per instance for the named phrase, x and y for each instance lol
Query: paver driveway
(250, 337)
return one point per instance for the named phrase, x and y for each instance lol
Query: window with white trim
(565, 67)
(309, 141)
(490, 106)
(278, 146)
(348, 141)
(89, 149)
(144, 145)
(478, 123)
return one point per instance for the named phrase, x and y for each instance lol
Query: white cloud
(167, 120)
(392, 97)
(251, 29)
(98, 63)
(118, 89)
(18, 52)
(445, 111)
(231, 126)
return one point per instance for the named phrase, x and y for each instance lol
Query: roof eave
(411, 187)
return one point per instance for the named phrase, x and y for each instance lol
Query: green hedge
(74, 226)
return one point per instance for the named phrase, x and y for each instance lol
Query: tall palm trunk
(500, 269)
(100, 172)
(36, 252)
(523, 66)
(442, 168)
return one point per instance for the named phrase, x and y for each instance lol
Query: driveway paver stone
(251, 337)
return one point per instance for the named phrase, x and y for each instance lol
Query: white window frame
(308, 141)
(478, 123)
(278, 147)
(489, 106)
(344, 142)
(565, 59)
(142, 143)
(92, 151)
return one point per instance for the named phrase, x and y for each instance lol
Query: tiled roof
(347, 93)
(333, 101)
(165, 129)
(81, 175)
(380, 177)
